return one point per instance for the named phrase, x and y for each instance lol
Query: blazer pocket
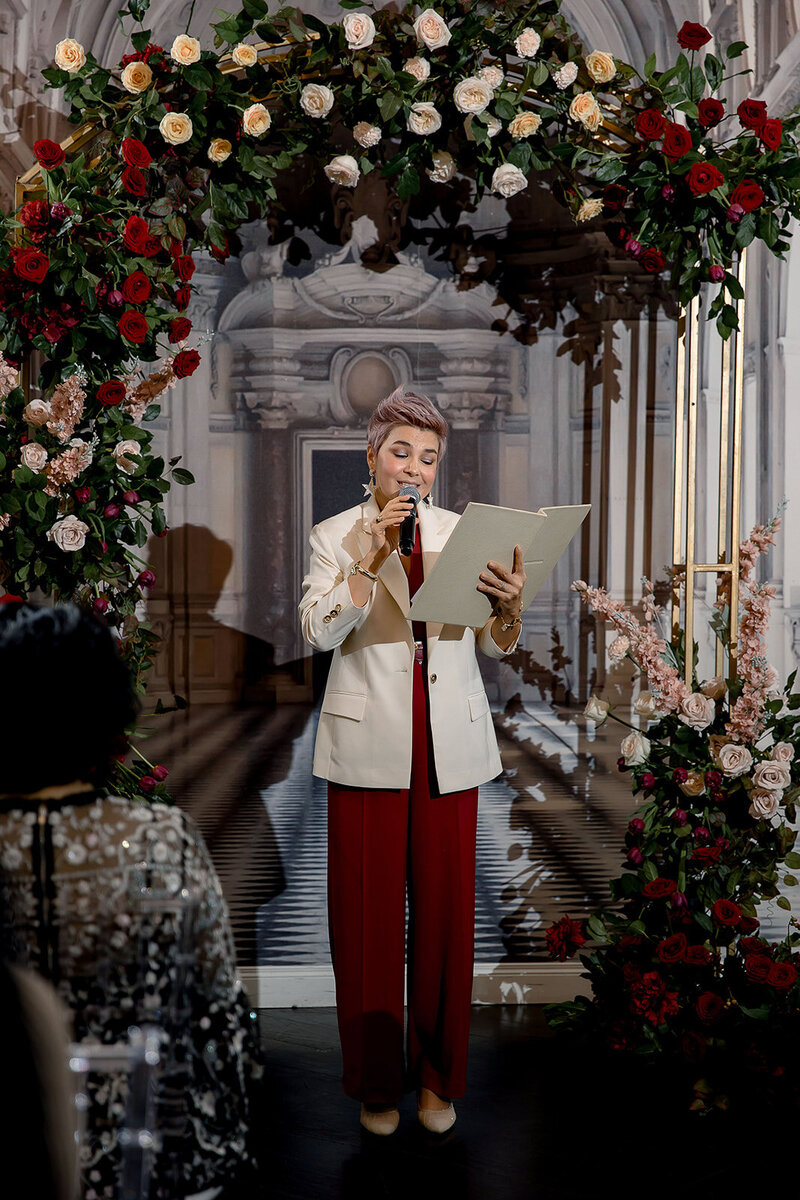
(345, 704)
(478, 705)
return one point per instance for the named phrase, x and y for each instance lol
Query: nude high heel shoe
(437, 1120)
(380, 1123)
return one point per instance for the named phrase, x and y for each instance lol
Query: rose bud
(668, 192)
(633, 247)
(735, 214)
(723, 843)
(160, 773)
(164, 531)
(83, 494)
(100, 605)
(110, 510)
(648, 780)
(701, 834)
(716, 273)
(104, 546)
(59, 212)
(678, 900)
(621, 764)
(115, 299)
(636, 825)
(635, 856)
(680, 816)
(146, 579)
(130, 497)
(147, 783)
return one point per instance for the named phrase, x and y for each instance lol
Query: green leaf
(650, 66)
(735, 49)
(540, 75)
(409, 183)
(504, 110)
(255, 8)
(789, 881)
(610, 168)
(782, 902)
(389, 104)
(182, 476)
(714, 71)
(792, 860)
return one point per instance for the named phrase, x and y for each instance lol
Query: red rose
(757, 968)
(704, 177)
(135, 234)
(134, 181)
(35, 216)
(83, 494)
(659, 889)
(220, 254)
(706, 854)
(111, 392)
(753, 945)
(136, 288)
(709, 1006)
(186, 363)
(697, 956)
(651, 1000)
(614, 197)
(748, 195)
(100, 605)
(771, 133)
(31, 264)
(175, 247)
(710, 112)
(564, 938)
(131, 497)
(782, 976)
(133, 327)
(692, 36)
(179, 329)
(650, 124)
(672, 949)
(147, 784)
(677, 140)
(652, 260)
(749, 924)
(49, 155)
(111, 511)
(182, 297)
(184, 267)
(135, 153)
(146, 579)
(151, 247)
(160, 773)
(752, 113)
(726, 913)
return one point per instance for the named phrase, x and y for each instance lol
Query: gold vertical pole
(677, 510)
(736, 470)
(724, 467)
(691, 484)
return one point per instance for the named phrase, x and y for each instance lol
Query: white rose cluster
(472, 95)
(431, 29)
(69, 534)
(316, 100)
(359, 30)
(528, 43)
(424, 118)
(507, 180)
(697, 711)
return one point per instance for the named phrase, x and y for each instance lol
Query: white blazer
(364, 732)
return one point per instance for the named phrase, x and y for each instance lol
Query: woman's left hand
(504, 586)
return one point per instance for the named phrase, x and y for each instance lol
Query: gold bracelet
(511, 624)
(357, 569)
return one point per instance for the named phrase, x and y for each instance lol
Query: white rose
(507, 180)
(697, 711)
(733, 759)
(424, 118)
(244, 55)
(431, 29)
(420, 68)
(33, 455)
(367, 135)
(524, 124)
(601, 66)
(69, 55)
(618, 648)
(121, 452)
(256, 120)
(136, 77)
(589, 210)
(185, 50)
(69, 533)
(634, 749)
(585, 110)
(219, 150)
(763, 803)
(772, 776)
(647, 706)
(714, 688)
(316, 100)
(175, 128)
(444, 167)
(528, 42)
(343, 169)
(596, 709)
(782, 752)
(472, 95)
(359, 29)
(37, 412)
(566, 75)
(492, 75)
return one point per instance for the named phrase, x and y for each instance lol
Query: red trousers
(379, 842)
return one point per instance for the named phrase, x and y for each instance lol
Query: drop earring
(369, 488)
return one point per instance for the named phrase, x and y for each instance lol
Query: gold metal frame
(729, 486)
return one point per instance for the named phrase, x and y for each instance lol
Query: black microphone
(407, 529)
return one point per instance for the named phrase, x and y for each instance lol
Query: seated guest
(118, 904)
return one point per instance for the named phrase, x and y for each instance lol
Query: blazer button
(433, 679)
(327, 618)
(338, 609)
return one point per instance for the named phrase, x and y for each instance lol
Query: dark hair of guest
(66, 698)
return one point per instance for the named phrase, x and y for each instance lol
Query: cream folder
(486, 532)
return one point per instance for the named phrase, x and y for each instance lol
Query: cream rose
(763, 803)
(472, 95)
(33, 455)
(524, 124)
(596, 709)
(136, 77)
(634, 749)
(585, 110)
(772, 776)
(424, 118)
(588, 211)
(646, 706)
(37, 412)
(244, 55)
(70, 55)
(697, 711)
(733, 759)
(618, 648)
(69, 533)
(420, 68)
(343, 169)
(359, 29)
(431, 29)
(714, 688)
(601, 66)
(565, 76)
(694, 784)
(528, 43)
(491, 75)
(219, 150)
(316, 100)
(175, 128)
(185, 50)
(121, 452)
(444, 167)
(507, 180)
(367, 135)
(256, 120)
(782, 752)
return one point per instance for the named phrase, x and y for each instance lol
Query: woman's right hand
(385, 528)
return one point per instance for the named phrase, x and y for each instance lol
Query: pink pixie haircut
(405, 408)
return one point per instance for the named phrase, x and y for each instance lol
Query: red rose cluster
(564, 938)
